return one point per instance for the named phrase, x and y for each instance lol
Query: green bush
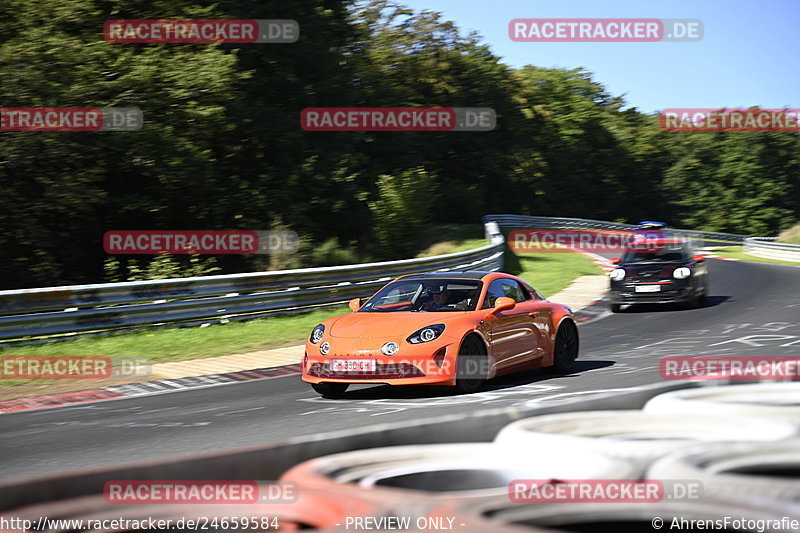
(402, 210)
(163, 266)
(331, 253)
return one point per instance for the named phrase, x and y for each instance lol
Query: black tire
(330, 390)
(615, 308)
(471, 366)
(701, 300)
(566, 347)
(696, 302)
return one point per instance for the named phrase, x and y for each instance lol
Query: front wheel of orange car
(471, 366)
(330, 390)
(565, 350)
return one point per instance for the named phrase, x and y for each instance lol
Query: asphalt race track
(753, 309)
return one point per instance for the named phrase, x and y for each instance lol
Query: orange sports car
(442, 328)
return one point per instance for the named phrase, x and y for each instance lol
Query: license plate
(353, 365)
(648, 288)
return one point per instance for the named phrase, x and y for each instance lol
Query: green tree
(736, 182)
(401, 210)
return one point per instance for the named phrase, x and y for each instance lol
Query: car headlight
(618, 274)
(316, 334)
(390, 348)
(681, 273)
(324, 348)
(426, 334)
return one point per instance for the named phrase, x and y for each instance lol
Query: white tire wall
(773, 400)
(447, 471)
(633, 436)
(744, 472)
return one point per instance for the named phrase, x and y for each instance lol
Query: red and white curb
(144, 388)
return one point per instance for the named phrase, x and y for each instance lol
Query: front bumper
(672, 292)
(428, 363)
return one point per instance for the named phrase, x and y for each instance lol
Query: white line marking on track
(240, 411)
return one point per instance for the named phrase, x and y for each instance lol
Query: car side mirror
(354, 304)
(503, 304)
(699, 257)
(615, 260)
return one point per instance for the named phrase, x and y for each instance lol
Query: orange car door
(540, 313)
(514, 334)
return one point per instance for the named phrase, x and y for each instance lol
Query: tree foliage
(222, 147)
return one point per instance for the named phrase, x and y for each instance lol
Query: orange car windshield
(427, 295)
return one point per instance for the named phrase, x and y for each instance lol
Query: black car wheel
(471, 366)
(615, 308)
(330, 390)
(695, 301)
(566, 348)
(699, 300)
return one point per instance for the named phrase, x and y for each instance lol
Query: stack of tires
(419, 480)
(748, 474)
(739, 443)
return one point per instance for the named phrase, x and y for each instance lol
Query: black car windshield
(668, 253)
(425, 295)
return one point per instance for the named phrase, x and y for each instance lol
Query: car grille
(388, 371)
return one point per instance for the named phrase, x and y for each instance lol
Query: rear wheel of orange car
(330, 390)
(471, 365)
(565, 350)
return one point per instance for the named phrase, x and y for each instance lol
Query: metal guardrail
(766, 247)
(69, 310)
(758, 246)
(702, 238)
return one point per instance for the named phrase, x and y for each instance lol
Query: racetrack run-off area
(752, 309)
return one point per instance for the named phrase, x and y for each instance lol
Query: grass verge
(737, 252)
(550, 273)
(177, 344)
(457, 238)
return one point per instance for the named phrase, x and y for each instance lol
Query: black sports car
(664, 270)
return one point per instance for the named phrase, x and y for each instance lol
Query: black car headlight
(426, 334)
(316, 334)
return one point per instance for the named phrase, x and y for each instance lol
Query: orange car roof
(466, 274)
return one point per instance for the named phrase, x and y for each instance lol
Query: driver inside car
(440, 297)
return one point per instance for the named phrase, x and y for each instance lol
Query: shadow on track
(711, 301)
(410, 392)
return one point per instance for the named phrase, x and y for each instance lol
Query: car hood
(388, 325)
